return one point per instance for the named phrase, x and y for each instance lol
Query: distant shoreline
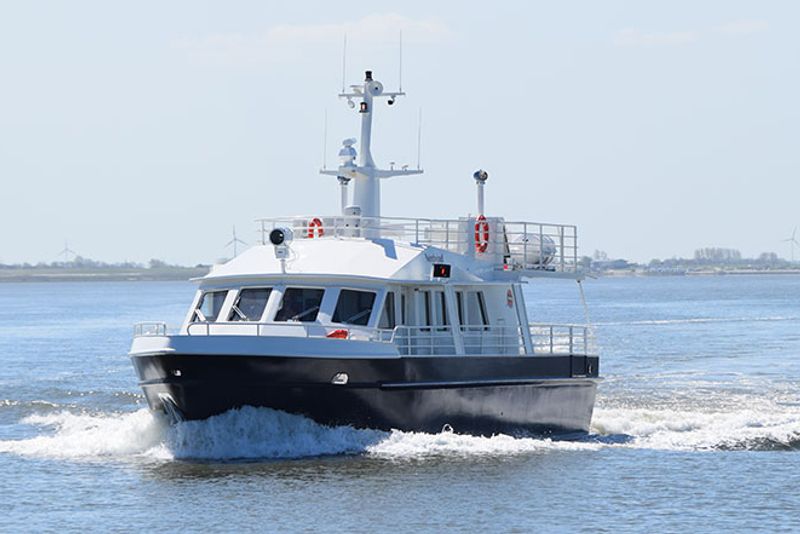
(705, 272)
(175, 274)
(102, 275)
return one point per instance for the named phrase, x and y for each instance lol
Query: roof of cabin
(347, 257)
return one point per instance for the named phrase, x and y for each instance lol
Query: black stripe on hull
(475, 395)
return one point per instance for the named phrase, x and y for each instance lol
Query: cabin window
(441, 309)
(209, 306)
(387, 316)
(403, 309)
(353, 307)
(300, 304)
(427, 304)
(471, 309)
(435, 309)
(250, 304)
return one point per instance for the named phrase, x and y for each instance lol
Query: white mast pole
(367, 190)
(366, 176)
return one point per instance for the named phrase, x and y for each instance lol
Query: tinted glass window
(300, 304)
(209, 306)
(250, 304)
(387, 316)
(476, 309)
(354, 307)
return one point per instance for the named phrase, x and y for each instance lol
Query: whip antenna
(419, 139)
(344, 61)
(325, 140)
(400, 64)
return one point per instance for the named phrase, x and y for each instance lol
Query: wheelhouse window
(471, 308)
(250, 304)
(209, 306)
(353, 307)
(300, 304)
(387, 315)
(434, 308)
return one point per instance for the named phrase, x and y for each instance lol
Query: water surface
(697, 426)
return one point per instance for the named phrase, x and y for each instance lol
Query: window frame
(279, 305)
(197, 316)
(372, 309)
(234, 308)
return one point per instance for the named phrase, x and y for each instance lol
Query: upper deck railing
(510, 245)
(545, 339)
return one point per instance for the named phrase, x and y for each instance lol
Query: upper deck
(520, 248)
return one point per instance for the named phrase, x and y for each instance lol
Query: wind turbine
(66, 251)
(235, 241)
(792, 242)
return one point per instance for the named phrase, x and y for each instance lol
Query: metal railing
(150, 329)
(545, 339)
(511, 245)
(562, 339)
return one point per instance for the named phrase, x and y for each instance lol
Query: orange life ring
(315, 225)
(481, 234)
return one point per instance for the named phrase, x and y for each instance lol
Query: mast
(366, 176)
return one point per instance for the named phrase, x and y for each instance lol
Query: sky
(138, 130)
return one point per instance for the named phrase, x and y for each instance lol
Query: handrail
(411, 340)
(150, 329)
(513, 245)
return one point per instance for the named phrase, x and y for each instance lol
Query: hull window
(353, 307)
(209, 306)
(250, 304)
(300, 304)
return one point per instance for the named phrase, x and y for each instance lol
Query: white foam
(263, 433)
(757, 427)
(415, 445)
(87, 436)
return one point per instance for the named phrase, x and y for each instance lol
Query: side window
(387, 315)
(209, 306)
(460, 306)
(250, 304)
(300, 304)
(476, 309)
(353, 307)
(441, 309)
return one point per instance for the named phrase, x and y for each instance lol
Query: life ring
(481, 234)
(315, 226)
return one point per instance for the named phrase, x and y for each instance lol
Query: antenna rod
(419, 139)
(325, 140)
(400, 63)
(344, 62)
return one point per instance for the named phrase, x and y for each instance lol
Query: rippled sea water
(697, 427)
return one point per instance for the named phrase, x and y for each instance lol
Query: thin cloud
(635, 37)
(281, 42)
(743, 27)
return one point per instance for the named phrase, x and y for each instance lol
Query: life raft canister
(315, 226)
(481, 234)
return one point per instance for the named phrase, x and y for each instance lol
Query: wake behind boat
(380, 322)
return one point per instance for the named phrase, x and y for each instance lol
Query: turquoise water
(697, 427)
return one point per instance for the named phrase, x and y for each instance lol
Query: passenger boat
(380, 322)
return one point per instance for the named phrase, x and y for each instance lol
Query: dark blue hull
(474, 395)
